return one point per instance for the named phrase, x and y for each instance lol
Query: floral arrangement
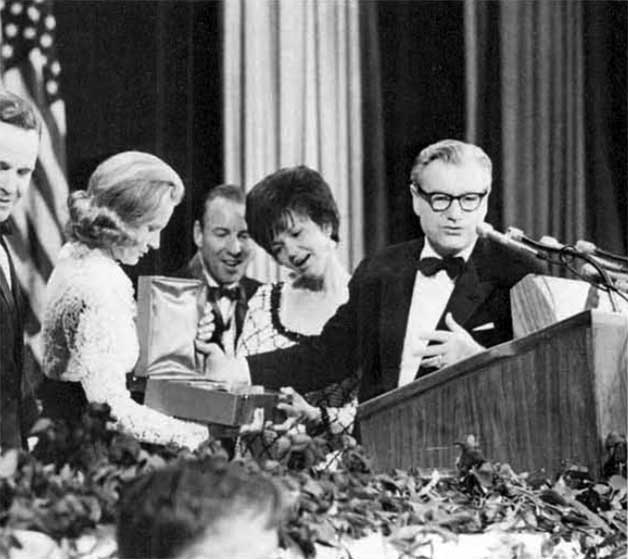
(68, 488)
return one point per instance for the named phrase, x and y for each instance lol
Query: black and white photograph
(333, 279)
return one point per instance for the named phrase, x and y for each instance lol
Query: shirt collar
(428, 251)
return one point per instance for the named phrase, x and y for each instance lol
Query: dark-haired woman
(292, 215)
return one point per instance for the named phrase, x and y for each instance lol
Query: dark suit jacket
(194, 270)
(366, 334)
(11, 360)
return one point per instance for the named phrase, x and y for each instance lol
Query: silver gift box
(168, 313)
(208, 402)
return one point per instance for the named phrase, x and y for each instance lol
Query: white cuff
(241, 370)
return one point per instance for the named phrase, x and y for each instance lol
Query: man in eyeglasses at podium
(414, 307)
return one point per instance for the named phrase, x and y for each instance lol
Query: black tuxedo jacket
(366, 335)
(11, 360)
(194, 270)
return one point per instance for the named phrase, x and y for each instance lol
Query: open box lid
(168, 311)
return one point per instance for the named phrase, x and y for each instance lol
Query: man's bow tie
(453, 265)
(232, 293)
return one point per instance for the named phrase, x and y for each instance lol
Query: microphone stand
(567, 253)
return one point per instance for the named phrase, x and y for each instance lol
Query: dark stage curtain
(414, 95)
(606, 125)
(146, 76)
(556, 123)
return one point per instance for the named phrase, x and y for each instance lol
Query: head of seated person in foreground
(293, 216)
(129, 199)
(200, 510)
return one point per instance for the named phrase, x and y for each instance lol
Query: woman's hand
(296, 406)
(205, 331)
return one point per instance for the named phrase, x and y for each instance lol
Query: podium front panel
(536, 402)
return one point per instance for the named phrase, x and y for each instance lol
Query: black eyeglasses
(439, 201)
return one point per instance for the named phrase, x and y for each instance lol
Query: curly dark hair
(298, 189)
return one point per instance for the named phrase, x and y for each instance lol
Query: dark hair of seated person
(194, 508)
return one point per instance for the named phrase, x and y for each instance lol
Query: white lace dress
(263, 331)
(90, 336)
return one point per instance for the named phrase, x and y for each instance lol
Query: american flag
(30, 69)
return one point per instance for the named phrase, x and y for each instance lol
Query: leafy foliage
(70, 485)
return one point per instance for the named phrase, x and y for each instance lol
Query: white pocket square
(487, 326)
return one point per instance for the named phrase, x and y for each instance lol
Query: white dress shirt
(4, 265)
(227, 310)
(429, 300)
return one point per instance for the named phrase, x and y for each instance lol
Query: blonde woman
(89, 323)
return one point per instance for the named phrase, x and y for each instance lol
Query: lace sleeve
(141, 421)
(104, 349)
(340, 403)
(341, 419)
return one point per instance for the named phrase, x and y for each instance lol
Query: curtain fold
(293, 96)
(542, 138)
(376, 211)
(554, 109)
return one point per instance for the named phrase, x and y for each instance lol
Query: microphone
(583, 249)
(552, 242)
(486, 231)
(588, 248)
(545, 243)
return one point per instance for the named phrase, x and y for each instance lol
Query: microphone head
(550, 242)
(484, 229)
(515, 233)
(589, 272)
(585, 247)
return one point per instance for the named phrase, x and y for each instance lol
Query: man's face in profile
(18, 154)
(224, 240)
(453, 229)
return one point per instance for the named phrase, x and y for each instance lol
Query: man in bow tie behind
(417, 306)
(224, 252)
(19, 144)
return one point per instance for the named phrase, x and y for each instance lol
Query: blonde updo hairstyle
(123, 193)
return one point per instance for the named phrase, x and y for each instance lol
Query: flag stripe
(45, 189)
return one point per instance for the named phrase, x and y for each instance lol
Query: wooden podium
(550, 396)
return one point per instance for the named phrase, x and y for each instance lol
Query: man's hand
(205, 331)
(220, 368)
(451, 345)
